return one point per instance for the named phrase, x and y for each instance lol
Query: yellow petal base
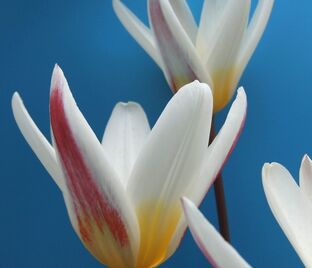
(158, 222)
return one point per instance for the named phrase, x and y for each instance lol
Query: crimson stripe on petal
(90, 205)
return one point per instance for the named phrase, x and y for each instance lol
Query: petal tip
(268, 168)
(184, 201)
(199, 88)
(241, 93)
(306, 159)
(16, 101)
(57, 79)
(128, 105)
(15, 97)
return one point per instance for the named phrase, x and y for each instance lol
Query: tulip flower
(216, 52)
(218, 252)
(291, 204)
(123, 194)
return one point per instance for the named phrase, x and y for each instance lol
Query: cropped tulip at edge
(216, 52)
(218, 251)
(291, 204)
(123, 194)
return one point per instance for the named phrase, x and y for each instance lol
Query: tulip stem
(220, 197)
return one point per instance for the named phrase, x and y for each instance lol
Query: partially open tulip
(218, 252)
(123, 194)
(291, 204)
(216, 52)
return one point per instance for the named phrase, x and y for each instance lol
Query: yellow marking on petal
(224, 85)
(158, 222)
(179, 81)
(102, 245)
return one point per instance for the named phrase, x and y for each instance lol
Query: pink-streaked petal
(165, 167)
(254, 32)
(291, 208)
(138, 30)
(182, 65)
(216, 156)
(125, 134)
(305, 181)
(106, 219)
(217, 251)
(36, 140)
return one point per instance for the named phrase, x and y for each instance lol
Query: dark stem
(220, 197)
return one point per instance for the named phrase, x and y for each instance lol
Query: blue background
(104, 65)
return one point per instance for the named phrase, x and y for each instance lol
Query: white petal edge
(36, 140)
(125, 134)
(142, 34)
(216, 156)
(185, 16)
(305, 177)
(291, 208)
(218, 252)
(254, 32)
(221, 147)
(185, 43)
(227, 36)
(210, 13)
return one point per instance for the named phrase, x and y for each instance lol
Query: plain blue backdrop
(104, 65)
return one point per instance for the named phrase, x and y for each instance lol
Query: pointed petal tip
(58, 79)
(16, 101)
(15, 97)
(241, 94)
(185, 201)
(57, 70)
(307, 159)
(241, 90)
(187, 204)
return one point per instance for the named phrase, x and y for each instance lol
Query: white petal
(138, 30)
(254, 31)
(291, 208)
(124, 136)
(219, 252)
(216, 156)
(105, 215)
(227, 36)
(182, 64)
(208, 23)
(36, 140)
(185, 16)
(221, 147)
(306, 176)
(171, 157)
